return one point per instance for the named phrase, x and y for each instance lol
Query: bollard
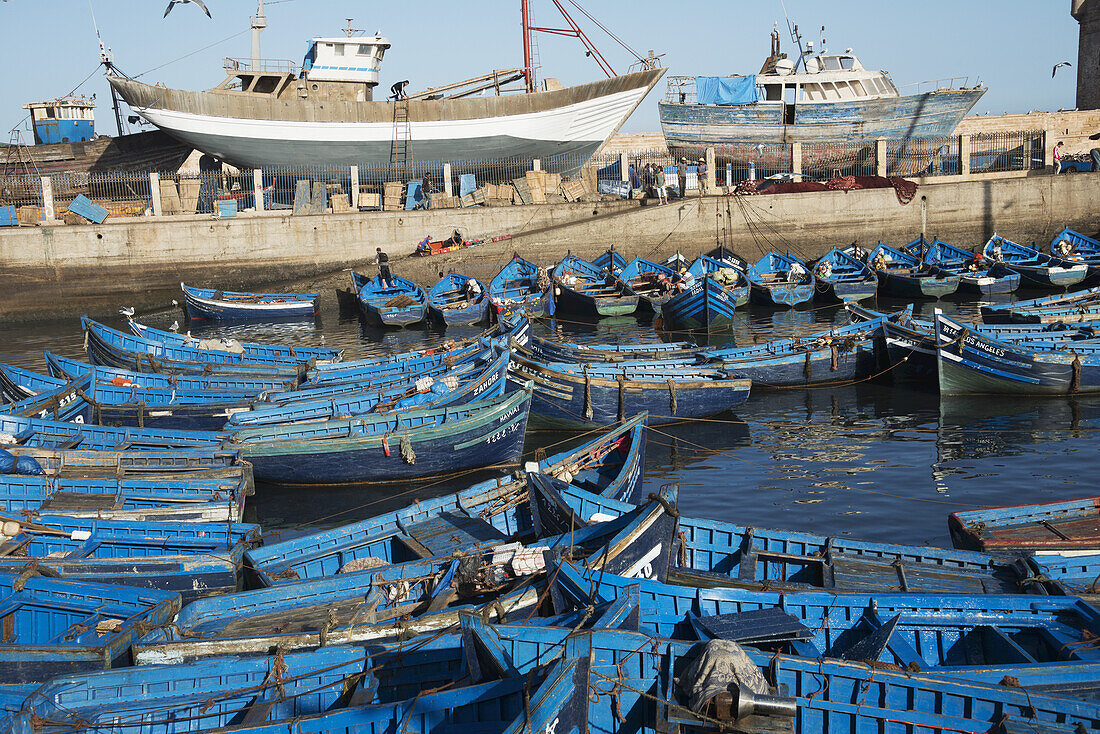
(353, 194)
(447, 179)
(258, 189)
(47, 199)
(154, 194)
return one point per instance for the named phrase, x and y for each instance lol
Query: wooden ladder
(401, 149)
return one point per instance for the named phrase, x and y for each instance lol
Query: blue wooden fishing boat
(937, 634)
(1020, 311)
(903, 275)
(90, 400)
(486, 380)
(114, 348)
(842, 278)
(364, 602)
(384, 374)
(190, 558)
(780, 280)
(1063, 525)
(55, 627)
(280, 351)
(708, 304)
(389, 447)
(516, 290)
(554, 350)
(651, 282)
(839, 355)
(402, 304)
(597, 394)
(972, 362)
(50, 434)
(71, 369)
(459, 300)
(976, 274)
(18, 384)
(713, 554)
(581, 287)
(1036, 269)
(610, 261)
(1075, 247)
(341, 688)
(348, 371)
(175, 498)
(210, 303)
(609, 465)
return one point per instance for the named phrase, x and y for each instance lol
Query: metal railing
(1009, 151)
(263, 66)
(828, 160)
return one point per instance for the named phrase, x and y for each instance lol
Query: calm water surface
(875, 460)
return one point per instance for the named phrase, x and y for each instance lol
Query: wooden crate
(370, 200)
(393, 198)
(523, 191)
(339, 203)
(572, 190)
(29, 216)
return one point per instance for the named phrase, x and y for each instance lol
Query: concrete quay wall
(62, 271)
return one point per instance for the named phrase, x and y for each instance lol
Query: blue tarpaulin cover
(725, 90)
(467, 184)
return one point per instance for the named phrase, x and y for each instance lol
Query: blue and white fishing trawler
(818, 98)
(69, 120)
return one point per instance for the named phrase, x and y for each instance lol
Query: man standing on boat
(385, 277)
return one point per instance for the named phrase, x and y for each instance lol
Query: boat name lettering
(953, 333)
(551, 727)
(503, 432)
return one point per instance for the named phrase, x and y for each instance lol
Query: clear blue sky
(1011, 45)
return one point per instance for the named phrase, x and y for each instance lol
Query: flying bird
(1058, 66)
(173, 3)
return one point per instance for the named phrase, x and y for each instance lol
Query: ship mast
(259, 22)
(528, 62)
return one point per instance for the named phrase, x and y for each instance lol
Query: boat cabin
(825, 78)
(62, 120)
(334, 69)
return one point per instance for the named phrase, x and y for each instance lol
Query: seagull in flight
(1057, 67)
(173, 3)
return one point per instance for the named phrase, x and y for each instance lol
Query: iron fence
(1009, 151)
(21, 190)
(832, 160)
(922, 157)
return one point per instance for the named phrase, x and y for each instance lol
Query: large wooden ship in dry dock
(272, 114)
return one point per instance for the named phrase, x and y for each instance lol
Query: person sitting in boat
(455, 240)
(824, 269)
(797, 273)
(473, 290)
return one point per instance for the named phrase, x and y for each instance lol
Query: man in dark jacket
(385, 277)
(682, 176)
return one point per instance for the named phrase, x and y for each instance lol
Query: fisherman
(427, 188)
(701, 173)
(473, 290)
(682, 176)
(1058, 157)
(397, 90)
(385, 277)
(649, 179)
(662, 190)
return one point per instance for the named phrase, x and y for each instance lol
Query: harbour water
(883, 460)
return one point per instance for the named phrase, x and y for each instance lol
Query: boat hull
(493, 436)
(573, 301)
(1045, 276)
(903, 285)
(197, 307)
(574, 121)
(928, 115)
(847, 291)
(706, 306)
(971, 363)
(783, 295)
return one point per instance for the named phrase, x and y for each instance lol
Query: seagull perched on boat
(128, 312)
(1057, 67)
(173, 3)
(175, 326)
